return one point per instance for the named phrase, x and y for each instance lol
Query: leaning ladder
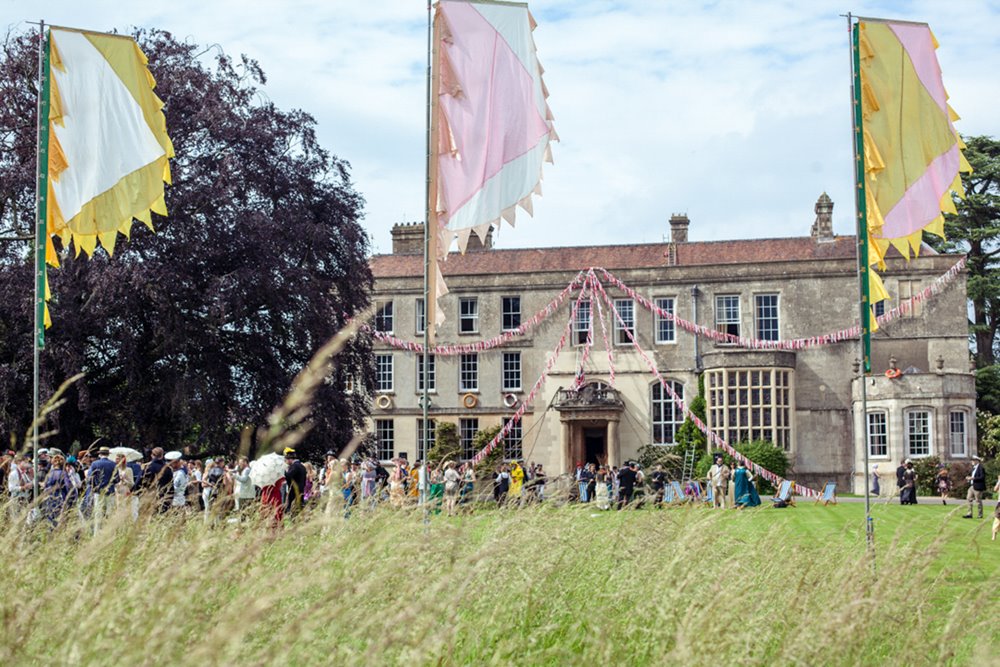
(689, 461)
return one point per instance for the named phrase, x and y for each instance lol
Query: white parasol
(130, 454)
(267, 470)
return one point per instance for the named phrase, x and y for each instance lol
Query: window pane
(727, 314)
(383, 316)
(512, 443)
(422, 440)
(385, 439)
(468, 375)
(468, 315)
(511, 362)
(467, 429)
(918, 433)
(626, 312)
(664, 326)
(432, 379)
(957, 434)
(878, 434)
(511, 306)
(581, 324)
(420, 315)
(767, 316)
(667, 417)
(383, 372)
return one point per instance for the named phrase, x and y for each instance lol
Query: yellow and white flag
(108, 143)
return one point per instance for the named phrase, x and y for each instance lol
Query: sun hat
(172, 455)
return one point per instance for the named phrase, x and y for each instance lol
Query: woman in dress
(468, 483)
(602, 489)
(744, 493)
(123, 481)
(516, 480)
(501, 485)
(876, 490)
(396, 478)
(942, 483)
(451, 479)
(368, 480)
(909, 493)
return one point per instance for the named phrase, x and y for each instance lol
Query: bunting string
(849, 334)
(679, 402)
(529, 399)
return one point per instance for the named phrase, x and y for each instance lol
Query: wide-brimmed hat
(172, 455)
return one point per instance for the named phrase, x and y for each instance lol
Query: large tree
(189, 334)
(975, 231)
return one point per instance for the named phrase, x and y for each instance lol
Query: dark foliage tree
(976, 232)
(193, 332)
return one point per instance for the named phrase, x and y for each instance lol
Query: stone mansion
(805, 401)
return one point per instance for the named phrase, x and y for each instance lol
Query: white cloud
(734, 112)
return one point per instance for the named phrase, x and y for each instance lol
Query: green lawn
(542, 585)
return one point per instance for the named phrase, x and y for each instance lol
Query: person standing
(901, 479)
(101, 474)
(942, 483)
(244, 491)
(468, 483)
(124, 485)
(718, 476)
(57, 488)
(295, 477)
(540, 478)
(977, 484)
(627, 479)
(744, 492)
(581, 484)
(157, 479)
(876, 490)
(19, 484)
(909, 493)
(658, 480)
(603, 490)
(501, 485)
(451, 479)
(178, 480)
(516, 480)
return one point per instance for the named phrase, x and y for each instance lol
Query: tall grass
(539, 585)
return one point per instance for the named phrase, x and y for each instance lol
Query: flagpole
(429, 217)
(861, 225)
(41, 213)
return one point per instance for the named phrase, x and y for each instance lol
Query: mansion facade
(806, 401)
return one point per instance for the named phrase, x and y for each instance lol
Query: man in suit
(626, 483)
(102, 472)
(158, 478)
(977, 485)
(295, 476)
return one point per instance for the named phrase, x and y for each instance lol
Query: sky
(735, 113)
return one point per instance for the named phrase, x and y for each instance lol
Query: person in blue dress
(57, 489)
(744, 491)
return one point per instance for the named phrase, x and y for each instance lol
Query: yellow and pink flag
(492, 123)
(912, 153)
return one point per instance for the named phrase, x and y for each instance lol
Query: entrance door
(595, 447)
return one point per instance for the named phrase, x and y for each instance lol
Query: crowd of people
(99, 484)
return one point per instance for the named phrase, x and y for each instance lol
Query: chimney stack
(822, 229)
(408, 238)
(679, 228)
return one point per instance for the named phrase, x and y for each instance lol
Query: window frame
(432, 380)
(758, 320)
(675, 412)
(385, 320)
(580, 334)
(468, 371)
(884, 414)
(419, 316)
(965, 433)
(509, 313)
(379, 358)
(420, 445)
(619, 334)
(722, 325)
(908, 413)
(471, 316)
(511, 444)
(466, 442)
(660, 322)
(381, 426)
(504, 387)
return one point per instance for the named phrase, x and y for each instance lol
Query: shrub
(484, 469)
(446, 444)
